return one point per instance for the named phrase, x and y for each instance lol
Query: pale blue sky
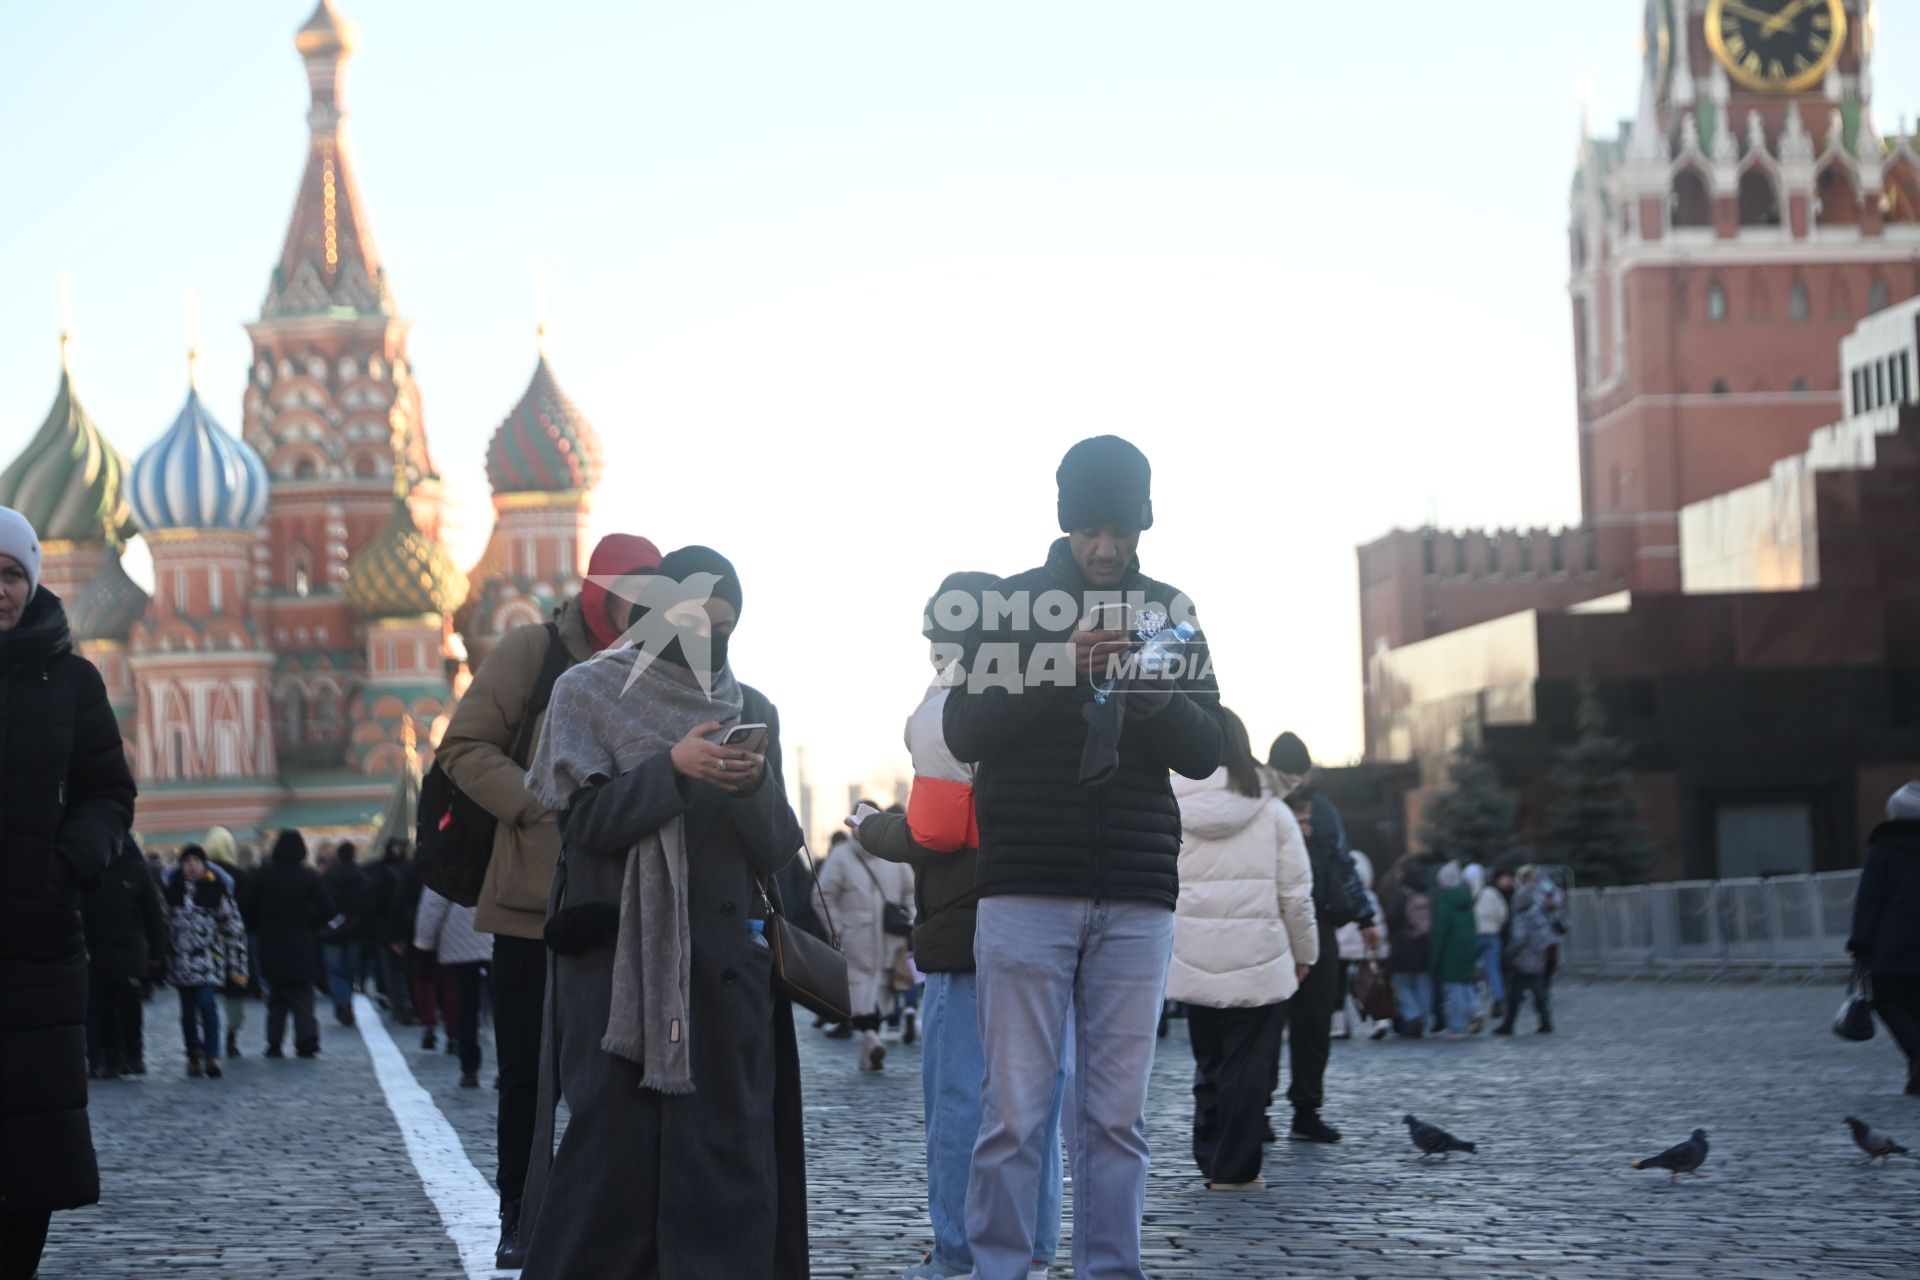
(839, 282)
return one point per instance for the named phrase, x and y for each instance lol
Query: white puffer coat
(1245, 915)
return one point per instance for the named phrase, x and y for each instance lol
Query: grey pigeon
(1685, 1158)
(1435, 1141)
(1877, 1145)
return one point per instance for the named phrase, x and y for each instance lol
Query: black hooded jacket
(66, 799)
(287, 908)
(126, 932)
(1886, 912)
(1042, 831)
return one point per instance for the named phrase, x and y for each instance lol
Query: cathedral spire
(329, 261)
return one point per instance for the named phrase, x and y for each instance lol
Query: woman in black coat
(1886, 923)
(286, 908)
(66, 799)
(126, 948)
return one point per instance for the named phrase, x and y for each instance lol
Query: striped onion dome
(198, 477)
(69, 482)
(545, 445)
(403, 573)
(107, 607)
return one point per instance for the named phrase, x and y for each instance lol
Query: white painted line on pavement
(467, 1205)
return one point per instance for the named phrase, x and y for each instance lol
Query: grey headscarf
(1904, 804)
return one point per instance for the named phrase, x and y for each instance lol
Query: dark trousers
(1523, 984)
(114, 1029)
(1232, 1053)
(433, 990)
(519, 994)
(200, 1020)
(463, 1020)
(1307, 1021)
(398, 983)
(295, 998)
(1896, 998)
(23, 1238)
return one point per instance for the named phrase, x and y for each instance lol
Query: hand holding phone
(860, 814)
(750, 737)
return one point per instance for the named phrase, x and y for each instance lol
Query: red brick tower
(1721, 247)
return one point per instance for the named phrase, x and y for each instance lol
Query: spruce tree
(1473, 820)
(1593, 824)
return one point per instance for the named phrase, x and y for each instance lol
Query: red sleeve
(940, 815)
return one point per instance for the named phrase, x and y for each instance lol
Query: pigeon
(1435, 1141)
(1877, 1145)
(1685, 1158)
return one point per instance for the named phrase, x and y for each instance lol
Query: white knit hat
(18, 540)
(1904, 804)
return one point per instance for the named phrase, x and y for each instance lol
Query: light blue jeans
(1047, 968)
(1413, 997)
(951, 1068)
(1490, 965)
(1459, 1006)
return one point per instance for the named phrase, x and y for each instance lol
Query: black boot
(233, 1043)
(509, 1256)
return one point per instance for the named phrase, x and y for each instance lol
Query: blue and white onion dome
(196, 476)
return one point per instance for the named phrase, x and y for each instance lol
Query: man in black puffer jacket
(66, 799)
(1079, 857)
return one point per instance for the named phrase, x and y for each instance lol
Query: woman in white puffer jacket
(1243, 937)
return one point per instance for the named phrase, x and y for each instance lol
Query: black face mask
(673, 651)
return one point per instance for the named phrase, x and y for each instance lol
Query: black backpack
(1332, 903)
(453, 835)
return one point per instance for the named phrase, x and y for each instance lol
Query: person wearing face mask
(66, 801)
(683, 1152)
(484, 752)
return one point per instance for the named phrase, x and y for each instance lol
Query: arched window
(1759, 199)
(1877, 297)
(304, 469)
(1716, 303)
(299, 572)
(1837, 204)
(1690, 205)
(1799, 306)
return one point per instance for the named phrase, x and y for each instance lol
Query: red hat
(616, 555)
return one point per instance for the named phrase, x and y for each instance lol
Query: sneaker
(274, 1051)
(1478, 1024)
(928, 1269)
(1309, 1127)
(469, 1081)
(194, 1069)
(1258, 1184)
(308, 1053)
(213, 1068)
(233, 1044)
(1380, 1031)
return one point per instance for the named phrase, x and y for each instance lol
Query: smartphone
(1114, 615)
(862, 812)
(751, 736)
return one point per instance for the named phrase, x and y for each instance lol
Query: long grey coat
(707, 1184)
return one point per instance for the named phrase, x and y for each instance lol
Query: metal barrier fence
(1712, 926)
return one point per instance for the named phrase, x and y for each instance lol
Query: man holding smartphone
(1078, 861)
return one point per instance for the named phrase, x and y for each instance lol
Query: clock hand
(1746, 11)
(1782, 20)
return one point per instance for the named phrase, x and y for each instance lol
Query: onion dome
(545, 445)
(403, 573)
(69, 482)
(107, 607)
(196, 476)
(327, 32)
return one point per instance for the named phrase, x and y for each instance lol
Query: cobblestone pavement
(294, 1169)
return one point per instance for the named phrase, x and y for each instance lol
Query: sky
(839, 282)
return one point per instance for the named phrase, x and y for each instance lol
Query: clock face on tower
(1782, 46)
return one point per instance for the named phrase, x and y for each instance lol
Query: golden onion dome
(403, 573)
(327, 32)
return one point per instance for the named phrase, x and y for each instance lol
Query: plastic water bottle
(1155, 658)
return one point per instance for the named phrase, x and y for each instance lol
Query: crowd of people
(1089, 842)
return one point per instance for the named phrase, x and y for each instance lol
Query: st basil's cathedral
(308, 631)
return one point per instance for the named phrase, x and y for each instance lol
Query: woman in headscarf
(683, 1154)
(66, 799)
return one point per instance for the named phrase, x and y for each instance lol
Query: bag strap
(552, 666)
(868, 868)
(833, 933)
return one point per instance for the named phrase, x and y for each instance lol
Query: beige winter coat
(1245, 914)
(473, 751)
(857, 886)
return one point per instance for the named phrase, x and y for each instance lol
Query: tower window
(1798, 304)
(1691, 205)
(1427, 565)
(1716, 303)
(1877, 297)
(1720, 387)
